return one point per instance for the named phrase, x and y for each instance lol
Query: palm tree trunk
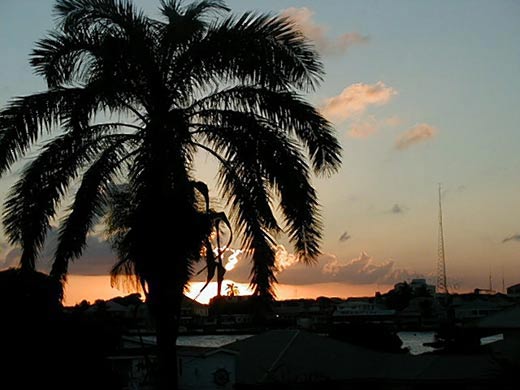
(164, 301)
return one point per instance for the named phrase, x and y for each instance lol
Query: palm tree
(232, 289)
(133, 99)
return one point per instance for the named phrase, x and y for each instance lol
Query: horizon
(75, 290)
(419, 93)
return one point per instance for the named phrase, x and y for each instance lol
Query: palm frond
(33, 200)
(238, 178)
(288, 111)
(89, 205)
(113, 14)
(25, 119)
(185, 24)
(244, 202)
(247, 140)
(254, 49)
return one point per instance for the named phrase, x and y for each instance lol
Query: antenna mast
(441, 287)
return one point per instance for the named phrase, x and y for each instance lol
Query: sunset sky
(421, 93)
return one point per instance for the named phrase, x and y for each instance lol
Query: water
(411, 340)
(211, 340)
(414, 341)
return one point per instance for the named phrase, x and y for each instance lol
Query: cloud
(363, 129)
(416, 134)
(98, 257)
(360, 270)
(370, 125)
(284, 259)
(344, 237)
(514, 237)
(355, 99)
(393, 121)
(397, 209)
(364, 270)
(326, 45)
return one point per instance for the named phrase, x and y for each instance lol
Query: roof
(184, 350)
(135, 345)
(288, 356)
(506, 319)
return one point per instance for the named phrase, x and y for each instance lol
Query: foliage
(195, 80)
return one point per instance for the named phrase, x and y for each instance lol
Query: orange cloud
(363, 129)
(393, 121)
(368, 126)
(416, 134)
(355, 99)
(326, 45)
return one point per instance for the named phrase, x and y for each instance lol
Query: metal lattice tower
(441, 287)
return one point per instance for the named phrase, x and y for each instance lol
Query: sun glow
(98, 287)
(211, 291)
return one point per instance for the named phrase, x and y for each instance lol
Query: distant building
(420, 284)
(360, 308)
(514, 290)
(506, 322)
(467, 307)
(192, 308)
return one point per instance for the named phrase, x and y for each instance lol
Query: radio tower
(441, 287)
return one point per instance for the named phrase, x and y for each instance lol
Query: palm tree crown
(195, 80)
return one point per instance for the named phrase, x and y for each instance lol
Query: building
(301, 360)
(200, 368)
(361, 308)
(514, 290)
(420, 285)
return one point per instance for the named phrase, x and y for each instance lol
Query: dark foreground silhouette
(44, 347)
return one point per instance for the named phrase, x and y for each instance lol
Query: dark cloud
(344, 237)
(98, 257)
(514, 237)
(360, 270)
(397, 209)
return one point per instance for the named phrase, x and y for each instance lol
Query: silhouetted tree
(232, 289)
(195, 80)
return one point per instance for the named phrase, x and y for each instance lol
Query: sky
(420, 93)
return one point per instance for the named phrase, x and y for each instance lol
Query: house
(469, 307)
(506, 322)
(200, 368)
(361, 308)
(298, 359)
(514, 290)
(206, 368)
